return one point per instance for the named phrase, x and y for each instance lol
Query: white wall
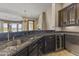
(58, 7)
(50, 17)
(53, 16)
(39, 25)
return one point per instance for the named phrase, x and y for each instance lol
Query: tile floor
(60, 53)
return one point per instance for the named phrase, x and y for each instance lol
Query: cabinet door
(33, 49)
(42, 45)
(49, 44)
(23, 52)
(60, 44)
(57, 42)
(60, 21)
(72, 14)
(63, 41)
(77, 11)
(65, 17)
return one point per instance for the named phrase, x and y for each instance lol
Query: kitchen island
(17, 45)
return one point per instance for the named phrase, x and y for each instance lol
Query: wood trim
(17, 27)
(33, 25)
(28, 25)
(7, 21)
(66, 7)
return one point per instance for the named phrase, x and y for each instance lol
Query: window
(19, 27)
(1, 26)
(10, 26)
(30, 25)
(5, 27)
(13, 27)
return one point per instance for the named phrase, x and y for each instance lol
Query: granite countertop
(68, 33)
(11, 47)
(76, 34)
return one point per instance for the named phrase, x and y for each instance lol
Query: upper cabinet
(69, 16)
(77, 12)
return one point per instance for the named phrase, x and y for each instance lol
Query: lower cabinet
(41, 46)
(44, 45)
(22, 52)
(48, 44)
(60, 42)
(33, 49)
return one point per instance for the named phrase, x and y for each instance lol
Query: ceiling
(15, 11)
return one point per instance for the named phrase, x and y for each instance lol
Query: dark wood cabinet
(60, 42)
(77, 13)
(48, 44)
(33, 49)
(68, 15)
(43, 45)
(22, 52)
(72, 14)
(72, 43)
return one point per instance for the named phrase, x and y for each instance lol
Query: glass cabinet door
(72, 14)
(60, 19)
(65, 17)
(69, 16)
(77, 11)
